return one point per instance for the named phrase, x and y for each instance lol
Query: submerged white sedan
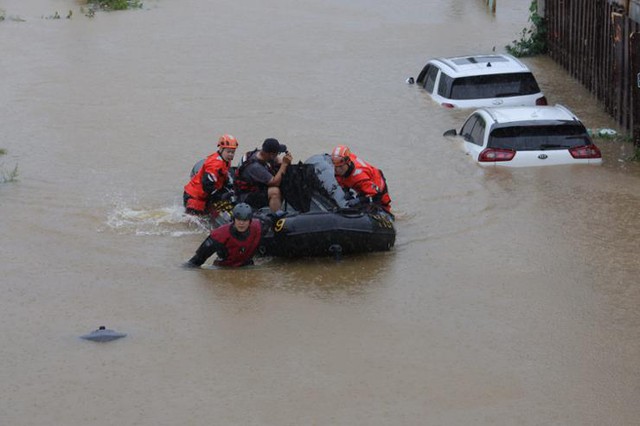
(527, 136)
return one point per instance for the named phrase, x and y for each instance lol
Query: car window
(473, 129)
(430, 78)
(477, 134)
(539, 137)
(420, 78)
(444, 86)
(465, 132)
(423, 74)
(493, 86)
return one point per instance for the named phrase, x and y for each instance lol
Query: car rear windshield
(539, 137)
(490, 86)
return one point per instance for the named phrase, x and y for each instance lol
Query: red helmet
(227, 141)
(341, 155)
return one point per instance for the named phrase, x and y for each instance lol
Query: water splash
(171, 221)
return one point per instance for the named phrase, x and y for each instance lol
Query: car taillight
(585, 151)
(448, 105)
(541, 101)
(496, 154)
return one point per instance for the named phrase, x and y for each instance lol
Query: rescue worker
(259, 175)
(235, 243)
(209, 183)
(365, 180)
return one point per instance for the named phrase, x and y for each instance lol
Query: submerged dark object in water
(103, 334)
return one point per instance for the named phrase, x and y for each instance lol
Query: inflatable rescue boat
(315, 220)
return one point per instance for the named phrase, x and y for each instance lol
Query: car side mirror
(450, 132)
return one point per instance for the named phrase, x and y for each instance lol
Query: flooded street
(510, 298)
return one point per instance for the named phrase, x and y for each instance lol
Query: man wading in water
(235, 243)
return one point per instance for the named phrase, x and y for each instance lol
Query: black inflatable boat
(315, 220)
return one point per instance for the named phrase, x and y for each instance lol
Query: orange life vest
(217, 169)
(366, 181)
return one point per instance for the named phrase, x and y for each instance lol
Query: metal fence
(598, 42)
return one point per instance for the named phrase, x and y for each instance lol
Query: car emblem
(497, 101)
(543, 156)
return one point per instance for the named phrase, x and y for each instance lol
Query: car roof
(464, 66)
(530, 113)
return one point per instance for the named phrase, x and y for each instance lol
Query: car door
(430, 78)
(473, 135)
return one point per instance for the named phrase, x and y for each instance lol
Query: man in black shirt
(258, 178)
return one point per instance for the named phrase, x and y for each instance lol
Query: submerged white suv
(480, 81)
(526, 136)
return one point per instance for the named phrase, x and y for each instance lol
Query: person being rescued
(259, 175)
(368, 182)
(209, 184)
(235, 243)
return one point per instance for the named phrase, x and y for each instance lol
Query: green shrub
(533, 40)
(116, 4)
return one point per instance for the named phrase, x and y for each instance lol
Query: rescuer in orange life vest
(235, 243)
(208, 185)
(367, 181)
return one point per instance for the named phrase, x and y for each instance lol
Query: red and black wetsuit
(233, 248)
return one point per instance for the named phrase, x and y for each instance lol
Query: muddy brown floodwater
(511, 297)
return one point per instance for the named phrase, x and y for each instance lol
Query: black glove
(189, 265)
(228, 195)
(354, 202)
(222, 253)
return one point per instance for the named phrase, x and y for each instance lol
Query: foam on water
(171, 221)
